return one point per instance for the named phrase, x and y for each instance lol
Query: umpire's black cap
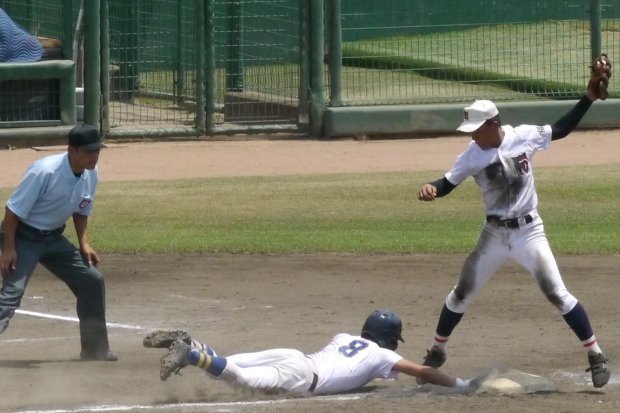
(86, 137)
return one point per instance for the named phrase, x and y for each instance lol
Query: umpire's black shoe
(435, 357)
(107, 356)
(599, 370)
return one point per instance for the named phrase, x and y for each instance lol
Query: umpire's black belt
(512, 223)
(41, 233)
(315, 380)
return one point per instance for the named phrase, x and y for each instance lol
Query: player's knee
(90, 283)
(94, 275)
(562, 300)
(456, 302)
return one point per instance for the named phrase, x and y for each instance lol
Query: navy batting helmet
(384, 328)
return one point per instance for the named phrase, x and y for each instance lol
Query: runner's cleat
(599, 370)
(175, 360)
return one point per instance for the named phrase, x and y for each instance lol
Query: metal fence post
(317, 94)
(105, 67)
(234, 66)
(67, 30)
(209, 47)
(179, 84)
(199, 46)
(595, 28)
(335, 54)
(92, 63)
(304, 63)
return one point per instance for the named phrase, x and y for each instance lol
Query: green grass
(349, 213)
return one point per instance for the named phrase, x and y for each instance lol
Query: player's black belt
(315, 380)
(40, 232)
(512, 223)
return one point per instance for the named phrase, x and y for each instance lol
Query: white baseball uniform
(348, 362)
(506, 181)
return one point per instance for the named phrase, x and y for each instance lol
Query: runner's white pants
(270, 370)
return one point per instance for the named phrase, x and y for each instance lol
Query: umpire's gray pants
(59, 256)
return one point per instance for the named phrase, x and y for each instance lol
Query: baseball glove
(600, 72)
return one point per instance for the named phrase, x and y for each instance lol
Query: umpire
(53, 189)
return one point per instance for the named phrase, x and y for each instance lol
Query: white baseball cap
(476, 114)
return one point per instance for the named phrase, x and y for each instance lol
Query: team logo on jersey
(522, 164)
(84, 203)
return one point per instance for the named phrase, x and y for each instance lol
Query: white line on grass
(192, 406)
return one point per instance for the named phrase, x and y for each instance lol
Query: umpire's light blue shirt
(50, 193)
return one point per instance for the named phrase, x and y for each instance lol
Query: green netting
(263, 63)
(408, 52)
(152, 68)
(257, 56)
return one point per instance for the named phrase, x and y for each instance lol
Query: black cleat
(599, 370)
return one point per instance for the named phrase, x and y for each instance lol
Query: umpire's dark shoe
(599, 370)
(435, 357)
(107, 356)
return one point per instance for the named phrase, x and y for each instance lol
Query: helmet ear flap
(393, 345)
(390, 343)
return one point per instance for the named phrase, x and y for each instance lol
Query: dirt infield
(175, 160)
(252, 302)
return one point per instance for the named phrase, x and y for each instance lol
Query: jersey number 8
(353, 348)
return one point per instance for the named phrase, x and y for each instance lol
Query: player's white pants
(529, 247)
(270, 370)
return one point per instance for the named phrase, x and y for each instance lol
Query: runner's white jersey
(504, 174)
(349, 362)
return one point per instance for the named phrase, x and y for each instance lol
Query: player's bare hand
(89, 255)
(427, 192)
(8, 259)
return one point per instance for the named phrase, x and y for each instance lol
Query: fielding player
(499, 157)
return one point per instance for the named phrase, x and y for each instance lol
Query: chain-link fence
(153, 62)
(152, 68)
(204, 66)
(258, 57)
(449, 50)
